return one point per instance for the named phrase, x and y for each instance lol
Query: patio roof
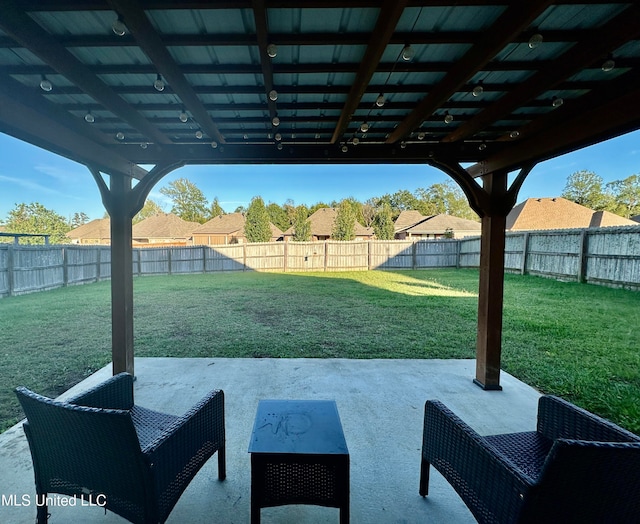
(499, 84)
(333, 59)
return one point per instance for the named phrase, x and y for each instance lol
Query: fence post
(583, 256)
(169, 259)
(458, 249)
(285, 254)
(65, 267)
(326, 254)
(369, 255)
(10, 269)
(244, 256)
(98, 263)
(525, 254)
(414, 255)
(204, 259)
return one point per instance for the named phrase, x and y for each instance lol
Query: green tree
(189, 203)
(369, 212)
(36, 219)
(79, 219)
(256, 227)
(240, 209)
(316, 206)
(151, 208)
(215, 210)
(626, 194)
(444, 198)
(278, 216)
(585, 188)
(383, 223)
(301, 225)
(344, 228)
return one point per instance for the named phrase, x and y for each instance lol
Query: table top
(298, 426)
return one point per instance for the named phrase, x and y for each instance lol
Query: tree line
(621, 197)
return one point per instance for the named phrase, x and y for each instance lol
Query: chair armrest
(179, 452)
(489, 483)
(114, 393)
(558, 418)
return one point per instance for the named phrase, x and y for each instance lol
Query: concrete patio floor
(381, 405)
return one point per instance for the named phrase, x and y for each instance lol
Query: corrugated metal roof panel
(203, 21)
(320, 20)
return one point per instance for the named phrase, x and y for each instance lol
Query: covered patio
(381, 406)
(122, 85)
(498, 86)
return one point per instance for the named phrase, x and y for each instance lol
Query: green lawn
(577, 341)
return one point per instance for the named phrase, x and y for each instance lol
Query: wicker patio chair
(576, 467)
(103, 448)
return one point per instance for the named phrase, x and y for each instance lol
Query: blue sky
(30, 174)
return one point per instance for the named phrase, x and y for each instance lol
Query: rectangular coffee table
(298, 456)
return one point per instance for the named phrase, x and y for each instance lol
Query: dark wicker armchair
(101, 447)
(576, 467)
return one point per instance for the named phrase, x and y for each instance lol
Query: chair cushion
(527, 450)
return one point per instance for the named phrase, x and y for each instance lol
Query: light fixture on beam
(183, 116)
(407, 53)
(273, 95)
(609, 64)
(535, 40)
(448, 118)
(380, 100)
(199, 134)
(478, 90)
(514, 134)
(272, 50)
(45, 84)
(158, 84)
(275, 121)
(557, 101)
(120, 135)
(118, 26)
(89, 118)
(364, 127)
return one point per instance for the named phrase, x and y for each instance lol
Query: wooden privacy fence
(609, 256)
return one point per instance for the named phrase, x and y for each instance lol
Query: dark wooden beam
(150, 42)
(302, 153)
(515, 19)
(307, 39)
(30, 118)
(610, 36)
(262, 35)
(388, 17)
(17, 24)
(604, 119)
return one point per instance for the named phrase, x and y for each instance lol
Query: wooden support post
(121, 275)
(491, 286)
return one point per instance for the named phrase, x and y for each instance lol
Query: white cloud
(28, 184)
(60, 174)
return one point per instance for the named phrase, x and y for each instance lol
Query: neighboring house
(97, 231)
(559, 213)
(163, 229)
(226, 229)
(322, 226)
(413, 225)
